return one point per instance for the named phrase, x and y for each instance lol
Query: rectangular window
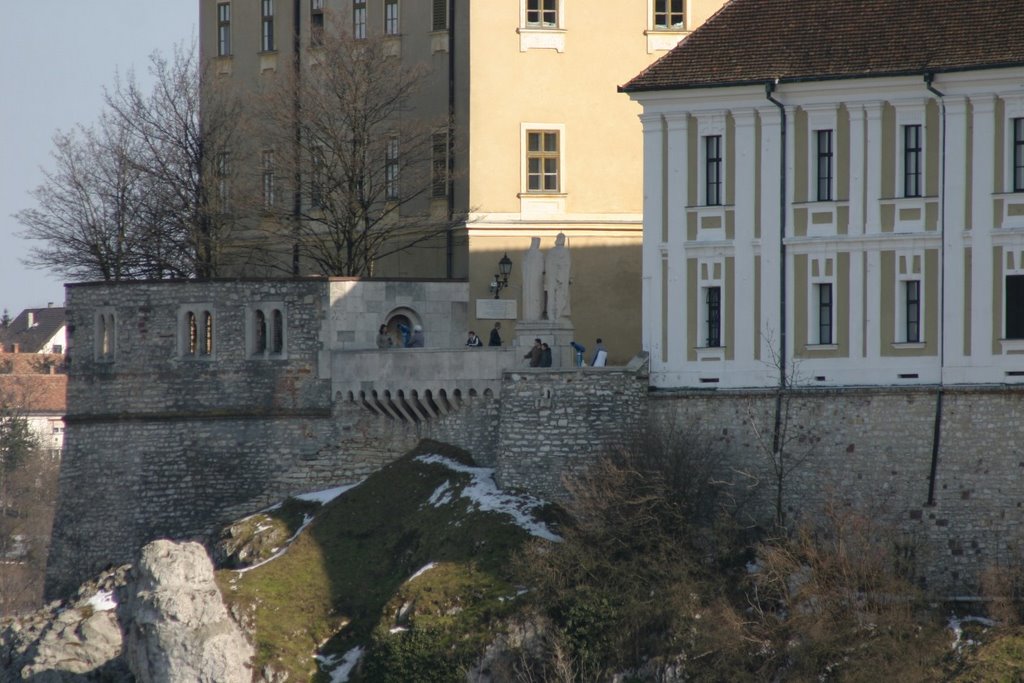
(1018, 155)
(824, 292)
(713, 170)
(439, 156)
(391, 26)
(268, 178)
(316, 178)
(542, 13)
(223, 29)
(713, 316)
(669, 15)
(391, 168)
(1015, 306)
(440, 15)
(316, 22)
(358, 19)
(824, 153)
(223, 187)
(912, 161)
(542, 156)
(912, 310)
(267, 9)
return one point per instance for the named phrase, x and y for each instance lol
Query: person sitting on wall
(473, 341)
(534, 354)
(384, 340)
(495, 339)
(417, 340)
(545, 356)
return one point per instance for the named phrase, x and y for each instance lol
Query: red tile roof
(27, 381)
(756, 41)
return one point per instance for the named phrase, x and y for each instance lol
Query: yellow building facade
(542, 142)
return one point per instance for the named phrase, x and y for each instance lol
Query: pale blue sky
(55, 58)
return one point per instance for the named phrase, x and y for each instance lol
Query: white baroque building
(836, 198)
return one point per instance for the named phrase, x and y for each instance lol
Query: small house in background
(35, 330)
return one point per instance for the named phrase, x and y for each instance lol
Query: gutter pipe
(929, 79)
(769, 89)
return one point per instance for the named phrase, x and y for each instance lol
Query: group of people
(539, 354)
(411, 339)
(495, 339)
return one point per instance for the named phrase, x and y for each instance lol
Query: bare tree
(349, 164)
(139, 194)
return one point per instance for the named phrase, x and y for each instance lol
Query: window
(223, 29)
(1015, 307)
(196, 332)
(267, 330)
(316, 22)
(105, 336)
(223, 187)
(669, 15)
(358, 19)
(713, 170)
(391, 26)
(542, 157)
(542, 13)
(267, 9)
(713, 316)
(268, 178)
(824, 156)
(823, 305)
(1018, 155)
(391, 168)
(912, 161)
(316, 178)
(440, 15)
(911, 311)
(439, 156)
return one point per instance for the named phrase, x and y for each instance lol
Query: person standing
(534, 354)
(545, 356)
(600, 358)
(384, 340)
(417, 340)
(473, 341)
(495, 339)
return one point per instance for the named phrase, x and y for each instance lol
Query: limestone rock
(174, 620)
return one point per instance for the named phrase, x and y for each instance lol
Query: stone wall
(872, 449)
(555, 422)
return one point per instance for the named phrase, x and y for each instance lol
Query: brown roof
(756, 41)
(33, 382)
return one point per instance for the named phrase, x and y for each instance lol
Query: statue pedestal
(556, 333)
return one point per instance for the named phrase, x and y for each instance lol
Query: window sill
(908, 345)
(268, 60)
(439, 41)
(224, 63)
(821, 347)
(541, 204)
(664, 39)
(1012, 345)
(705, 353)
(541, 38)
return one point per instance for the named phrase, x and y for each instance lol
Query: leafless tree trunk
(347, 163)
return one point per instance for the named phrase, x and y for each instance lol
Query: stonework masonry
(164, 443)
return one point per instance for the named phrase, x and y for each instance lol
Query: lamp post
(500, 281)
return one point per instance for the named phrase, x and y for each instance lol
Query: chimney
(16, 348)
(31, 318)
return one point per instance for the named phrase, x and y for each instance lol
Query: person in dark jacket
(534, 354)
(473, 341)
(545, 356)
(495, 339)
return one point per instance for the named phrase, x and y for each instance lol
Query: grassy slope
(332, 586)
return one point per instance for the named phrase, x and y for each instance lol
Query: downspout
(449, 237)
(929, 77)
(297, 194)
(769, 88)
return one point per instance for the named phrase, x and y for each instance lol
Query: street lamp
(500, 281)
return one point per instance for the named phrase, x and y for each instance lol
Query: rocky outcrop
(175, 624)
(67, 641)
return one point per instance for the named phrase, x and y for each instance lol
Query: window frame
(911, 303)
(316, 22)
(669, 12)
(824, 301)
(540, 10)
(439, 16)
(266, 331)
(712, 298)
(1016, 332)
(197, 332)
(913, 160)
(543, 156)
(267, 26)
(713, 169)
(1017, 154)
(268, 178)
(825, 164)
(359, 19)
(440, 170)
(392, 18)
(105, 339)
(223, 29)
(391, 168)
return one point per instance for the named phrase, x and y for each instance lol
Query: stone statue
(533, 282)
(556, 279)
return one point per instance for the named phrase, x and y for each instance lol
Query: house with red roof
(834, 194)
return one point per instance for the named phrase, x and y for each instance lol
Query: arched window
(260, 332)
(277, 343)
(193, 333)
(206, 348)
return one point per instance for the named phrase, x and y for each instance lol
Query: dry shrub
(1003, 590)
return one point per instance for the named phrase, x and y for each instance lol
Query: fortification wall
(872, 449)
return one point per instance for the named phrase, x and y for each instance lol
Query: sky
(55, 60)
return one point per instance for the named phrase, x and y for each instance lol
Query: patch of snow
(489, 498)
(397, 629)
(327, 495)
(954, 625)
(340, 670)
(103, 601)
(442, 495)
(422, 570)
